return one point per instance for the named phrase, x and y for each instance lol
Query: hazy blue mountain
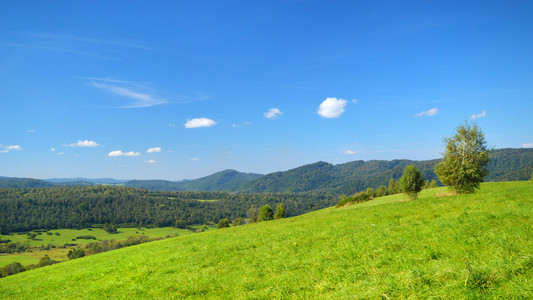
(15, 182)
(227, 180)
(89, 180)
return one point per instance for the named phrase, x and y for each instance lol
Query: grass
(465, 246)
(69, 236)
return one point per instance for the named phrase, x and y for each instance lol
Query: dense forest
(82, 207)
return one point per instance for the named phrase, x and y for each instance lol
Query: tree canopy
(465, 159)
(411, 181)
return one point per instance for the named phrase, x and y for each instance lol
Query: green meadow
(60, 237)
(476, 245)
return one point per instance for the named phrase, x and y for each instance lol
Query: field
(59, 237)
(441, 246)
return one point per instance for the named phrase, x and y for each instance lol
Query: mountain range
(507, 164)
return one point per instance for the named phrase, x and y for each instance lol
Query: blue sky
(182, 89)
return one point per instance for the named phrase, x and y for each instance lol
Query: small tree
(224, 223)
(392, 187)
(465, 160)
(411, 181)
(433, 184)
(280, 212)
(370, 192)
(381, 191)
(266, 213)
(238, 221)
(76, 253)
(252, 214)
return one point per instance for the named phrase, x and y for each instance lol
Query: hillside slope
(467, 246)
(351, 177)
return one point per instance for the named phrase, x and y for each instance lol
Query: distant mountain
(15, 182)
(87, 180)
(227, 180)
(348, 178)
(321, 177)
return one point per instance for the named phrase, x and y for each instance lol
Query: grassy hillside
(465, 246)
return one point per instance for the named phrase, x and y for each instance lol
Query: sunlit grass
(464, 246)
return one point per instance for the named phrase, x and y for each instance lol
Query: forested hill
(506, 165)
(348, 178)
(227, 180)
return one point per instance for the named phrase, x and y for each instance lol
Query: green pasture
(438, 247)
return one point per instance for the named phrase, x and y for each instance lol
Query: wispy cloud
(85, 143)
(194, 159)
(120, 153)
(153, 150)
(349, 152)
(480, 115)
(273, 113)
(72, 44)
(331, 108)
(30, 131)
(529, 145)
(199, 122)
(428, 113)
(150, 161)
(6, 149)
(139, 98)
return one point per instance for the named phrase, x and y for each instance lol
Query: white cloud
(140, 99)
(153, 150)
(194, 159)
(480, 115)
(349, 152)
(60, 153)
(428, 113)
(355, 101)
(150, 161)
(331, 107)
(52, 149)
(273, 113)
(85, 143)
(13, 147)
(530, 145)
(120, 153)
(6, 149)
(200, 122)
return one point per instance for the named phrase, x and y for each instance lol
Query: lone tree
(280, 212)
(465, 160)
(411, 181)
(266, 213)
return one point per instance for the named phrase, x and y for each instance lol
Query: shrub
(411, 181)
(238, 221)
(77, 253)
(280, 212)
(266, 213)
(224, 223)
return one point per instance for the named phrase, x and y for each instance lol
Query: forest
(82, 207)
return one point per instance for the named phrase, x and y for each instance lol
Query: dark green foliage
(465, 160)
(46, 261)
(356, 198)
(76, 253)
(238, 221)
(392, 187)
(84, 207)
(411, 181)
(13, 182)
(223, 223)
(86, 237)
(381, 191)
(111, 229)
(266, 213)
(280, 212)
(11, 269)
(14, 247)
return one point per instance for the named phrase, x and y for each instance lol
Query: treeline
(83, 207)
